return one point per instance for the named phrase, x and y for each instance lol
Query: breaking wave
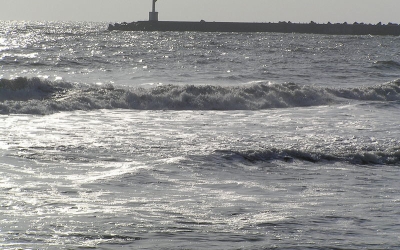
(389, 156)
(37, 96)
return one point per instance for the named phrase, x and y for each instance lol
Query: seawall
(281, 27)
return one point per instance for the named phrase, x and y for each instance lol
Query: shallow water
(174, 179)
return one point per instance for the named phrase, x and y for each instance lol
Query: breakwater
(281, 27)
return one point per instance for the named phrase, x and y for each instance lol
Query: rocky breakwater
(282, 27)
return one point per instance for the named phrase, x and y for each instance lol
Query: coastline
(281, 27)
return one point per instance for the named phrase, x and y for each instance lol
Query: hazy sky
(368, 11)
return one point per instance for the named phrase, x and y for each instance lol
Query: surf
(39, 96)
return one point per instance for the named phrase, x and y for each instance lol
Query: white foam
(38, 96)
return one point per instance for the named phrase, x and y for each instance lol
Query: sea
(189, 140)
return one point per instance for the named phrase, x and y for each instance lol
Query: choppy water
(197, 140)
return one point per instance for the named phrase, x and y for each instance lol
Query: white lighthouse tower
(153, 16)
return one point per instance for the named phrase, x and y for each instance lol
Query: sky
(304, 11)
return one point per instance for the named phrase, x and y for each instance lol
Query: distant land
(281, 27)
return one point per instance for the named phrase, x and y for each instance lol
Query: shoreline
(281, 27)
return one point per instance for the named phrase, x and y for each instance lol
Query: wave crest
(36, 96)
(390, 156)
(24, 89)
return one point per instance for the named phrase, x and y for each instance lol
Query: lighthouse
(153, 15)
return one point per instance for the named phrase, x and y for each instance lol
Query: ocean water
(168, 140)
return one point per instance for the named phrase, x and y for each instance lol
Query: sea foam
(37, 96)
